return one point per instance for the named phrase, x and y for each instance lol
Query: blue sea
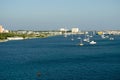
(59, 58)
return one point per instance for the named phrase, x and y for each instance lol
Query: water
(59, 58)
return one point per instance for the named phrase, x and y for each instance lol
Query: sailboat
(65, 34)
(72, 37)
(111, 38)
(91, 35)
(81, 44)
(86, 39)
(103, 36)
(79, 37)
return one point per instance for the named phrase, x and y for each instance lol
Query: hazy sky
(54, 14)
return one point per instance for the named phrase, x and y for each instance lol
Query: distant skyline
(55, 14)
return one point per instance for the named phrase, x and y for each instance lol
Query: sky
(56, 14)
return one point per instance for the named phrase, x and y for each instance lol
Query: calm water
(59, 58)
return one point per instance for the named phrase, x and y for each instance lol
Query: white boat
(111, 38)
(78, 38)
(86, 40)
(81, 44)
(92, 42)
(103, 36)
(65, 35)
(72, 39)
(91, 35)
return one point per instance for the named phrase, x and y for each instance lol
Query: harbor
(49, 58)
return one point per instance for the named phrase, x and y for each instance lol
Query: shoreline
(14, 38)
(3, 40)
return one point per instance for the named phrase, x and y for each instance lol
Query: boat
(72, 37)
(103, 36)
(81, 44)
(65, 35)
(65, 32)
(92, 42)
(111, 38)
(86, 39)
(91, 35)
(78, 38)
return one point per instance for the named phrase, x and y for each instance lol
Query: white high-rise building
(1, 29)
(63, 29)
(75, 30)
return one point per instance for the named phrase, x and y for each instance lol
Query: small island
(22, 34)
(6, 35)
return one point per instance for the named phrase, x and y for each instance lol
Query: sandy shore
(3, 40)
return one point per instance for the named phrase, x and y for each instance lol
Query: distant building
(6, 31)
(1, 29)
(114, 32)
(75, 30)
(21, 32)
(63, 29)
(100, 33)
